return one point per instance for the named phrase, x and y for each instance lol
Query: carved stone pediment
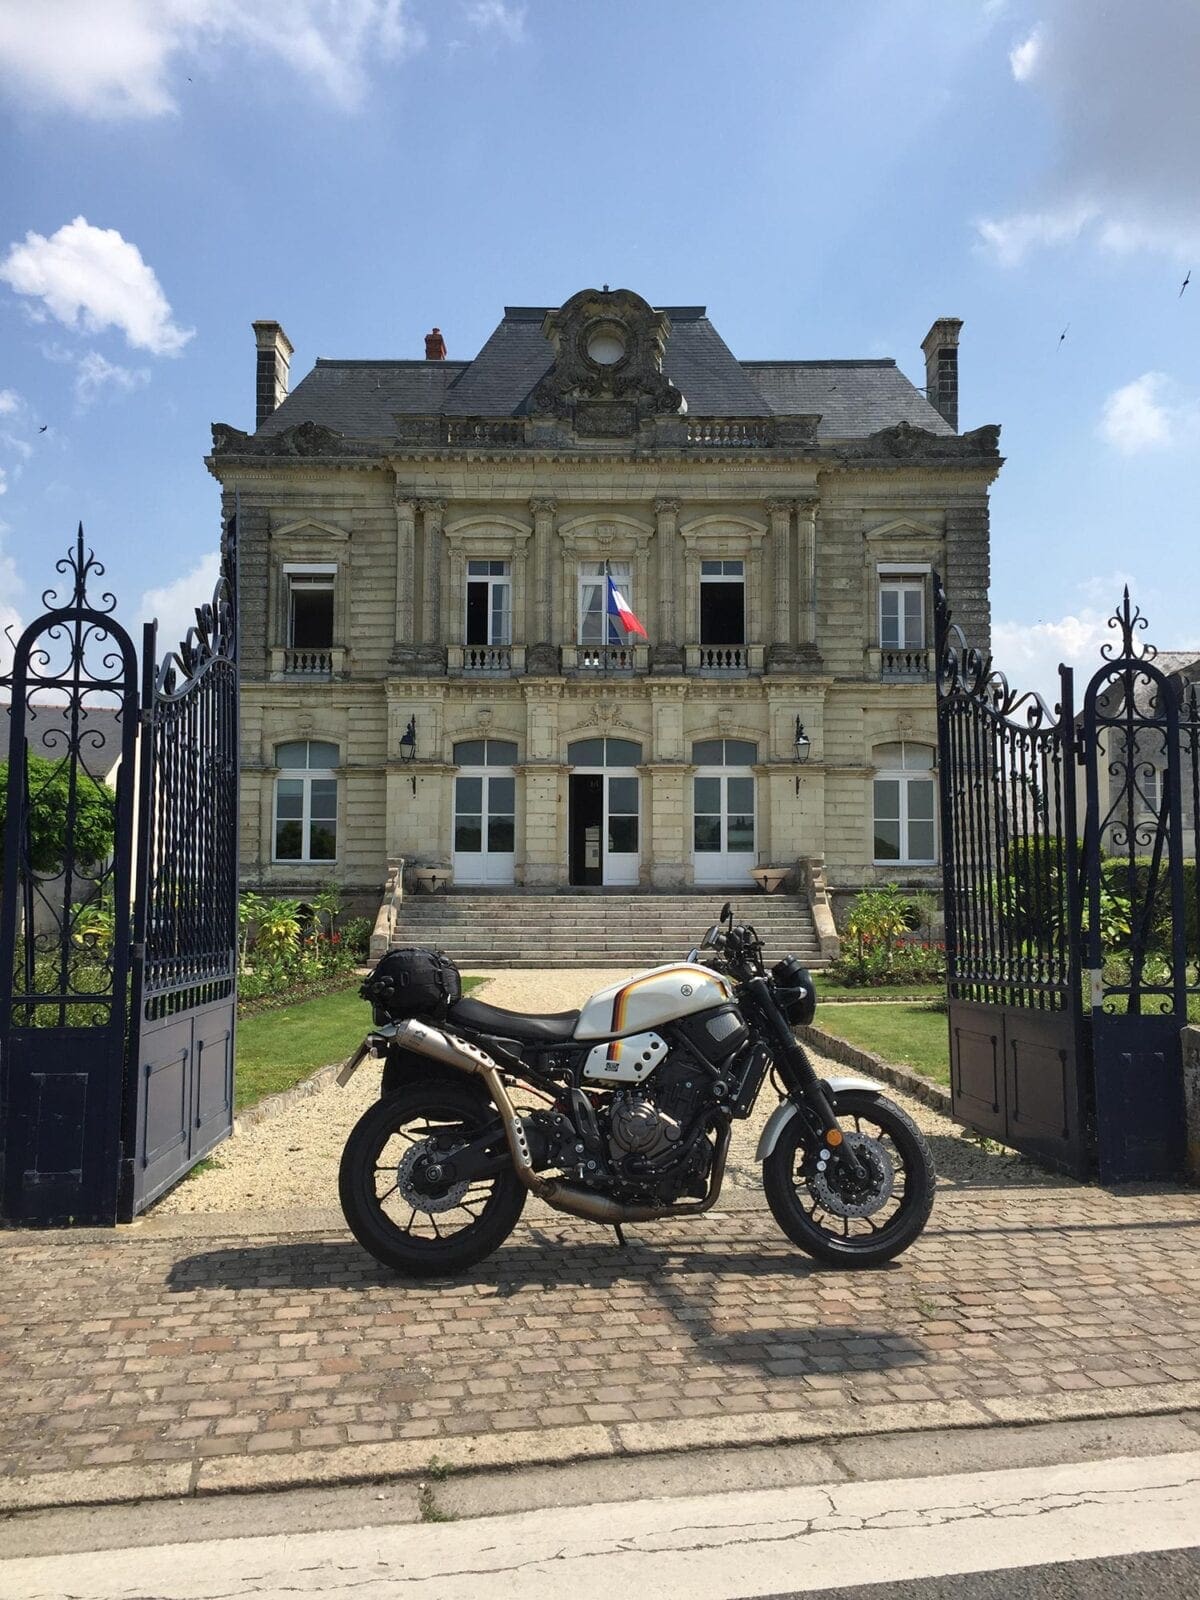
(608, 347)
(904, 443)
(305, 439)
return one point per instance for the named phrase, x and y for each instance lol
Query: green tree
(48, 786)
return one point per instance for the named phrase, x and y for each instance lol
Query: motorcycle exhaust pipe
(454, 1052)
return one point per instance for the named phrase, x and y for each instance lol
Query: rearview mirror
(726, 912)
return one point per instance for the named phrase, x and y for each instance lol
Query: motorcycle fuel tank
(661, 994)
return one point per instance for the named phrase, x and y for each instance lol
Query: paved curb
(913, 1083)
(401, 1459)
(272, 1105)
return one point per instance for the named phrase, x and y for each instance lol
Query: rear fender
(787, 1109)
(403, 1067)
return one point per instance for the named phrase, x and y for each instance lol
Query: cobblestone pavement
(151, 1349)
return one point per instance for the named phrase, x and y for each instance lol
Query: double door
(604, 828)
(484, 826)
(723, 827)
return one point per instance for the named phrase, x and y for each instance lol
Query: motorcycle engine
(648, 1122)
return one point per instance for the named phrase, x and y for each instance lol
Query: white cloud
(497, 18)
(175, 603)
(117, 58)
(1029, 653)
(91, 278)
(1119, 85)
(12, 595)
(10, 402)
(1024, 58)
(1148, 414)
(3, 481)
(96, 375)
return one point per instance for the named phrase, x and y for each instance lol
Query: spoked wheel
(399, 1190)
(854, 1221)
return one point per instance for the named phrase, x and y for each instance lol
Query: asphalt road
(1159, 1575)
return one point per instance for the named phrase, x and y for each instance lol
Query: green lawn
(276, 1049)
(907, 1035)
(830, 989)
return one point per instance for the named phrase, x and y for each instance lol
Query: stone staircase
(503, 929)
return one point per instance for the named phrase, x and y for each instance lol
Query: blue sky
(826, 178)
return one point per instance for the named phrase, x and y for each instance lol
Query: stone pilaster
(780, 513)
(432, 513)
(806, 572)
(542, 509)
(406, 565)
(666, 811)
(666, 649)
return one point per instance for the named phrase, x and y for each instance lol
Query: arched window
(485, 753)
(604, 753)
(724, 752)
(904, 805)
(306, 801)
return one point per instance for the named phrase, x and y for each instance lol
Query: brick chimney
(940, 345)
(435, 346)
(271, 369)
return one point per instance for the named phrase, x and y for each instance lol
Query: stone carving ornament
(608, 346)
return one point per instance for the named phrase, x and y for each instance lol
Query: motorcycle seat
(481, 1018)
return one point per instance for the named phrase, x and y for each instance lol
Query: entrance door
(605, 827)
(587, 828)
(723, 827)
(484, 819)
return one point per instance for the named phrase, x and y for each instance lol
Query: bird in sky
(1185, 283)
(43, 427)
(1063, 334)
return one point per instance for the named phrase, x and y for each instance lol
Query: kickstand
(619, 1234)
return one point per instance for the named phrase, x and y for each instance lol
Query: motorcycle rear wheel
(795, 1191)
(383, 1207)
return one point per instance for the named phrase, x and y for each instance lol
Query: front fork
(800, 1076)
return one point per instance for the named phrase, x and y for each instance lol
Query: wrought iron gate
(118, 907)
(1139, 733)
(1071, 932)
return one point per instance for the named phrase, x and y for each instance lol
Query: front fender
(787, 1109)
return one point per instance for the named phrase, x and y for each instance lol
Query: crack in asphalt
(831, 1521)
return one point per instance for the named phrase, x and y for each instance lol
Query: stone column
(406, 536)
(432, 512)
(666, 537)
(780, 512)
(542, 508)
(806, 571)
(666, 811)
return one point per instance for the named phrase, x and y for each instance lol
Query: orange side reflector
(834, 1136)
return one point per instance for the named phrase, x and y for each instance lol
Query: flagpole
(607, 622)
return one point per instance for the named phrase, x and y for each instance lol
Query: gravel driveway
(290, 1160)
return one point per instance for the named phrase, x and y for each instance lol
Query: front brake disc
(828, 1180)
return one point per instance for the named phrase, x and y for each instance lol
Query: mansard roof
(361, 399)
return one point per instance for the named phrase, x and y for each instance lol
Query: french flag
(619, 608)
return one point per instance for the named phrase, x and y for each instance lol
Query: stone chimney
(435, 346)
(940, 345)
(271, 372)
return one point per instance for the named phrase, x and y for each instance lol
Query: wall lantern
(408, 747)
(803, 747)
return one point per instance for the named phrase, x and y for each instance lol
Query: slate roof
(360, 398)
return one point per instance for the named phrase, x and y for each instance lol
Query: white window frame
(323, 570)
(494, 581)
(1150, 783)
(904, 577)
(305, 775)
(904, 776)
(622, 576)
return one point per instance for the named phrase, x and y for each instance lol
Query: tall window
(905, 830)
(1149, 781)
(901, 612)
(489, 602)
(595, 625)
(306, 801)
(722, 602)
(310, 606)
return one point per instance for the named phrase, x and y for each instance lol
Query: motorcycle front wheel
(418, 1228)
(853, 1222)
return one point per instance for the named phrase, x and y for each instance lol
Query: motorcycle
(634, 1099)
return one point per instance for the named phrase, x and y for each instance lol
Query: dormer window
(606, 344)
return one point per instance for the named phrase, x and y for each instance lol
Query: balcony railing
(603, 660)
(485, 430)
(723, 660)
(911, 665)
(485, 660)
(731, 433)
(312, 663)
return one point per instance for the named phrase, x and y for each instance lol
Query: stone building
(430, 673)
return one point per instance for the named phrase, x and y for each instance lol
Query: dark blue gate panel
(1141, 1120)
(63, 1167)
(214, 1032)
(1045, 1097)
(977, 1066)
